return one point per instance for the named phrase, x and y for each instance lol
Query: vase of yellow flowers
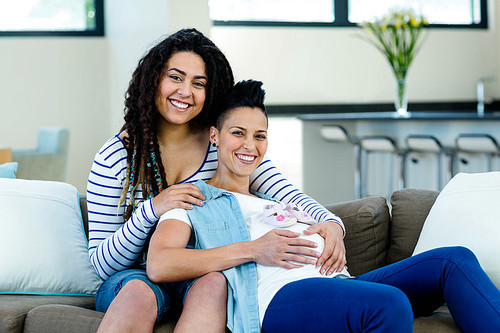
(397, 36)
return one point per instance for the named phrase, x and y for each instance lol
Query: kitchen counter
(415, 115)
(328, 167)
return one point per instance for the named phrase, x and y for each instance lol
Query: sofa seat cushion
(439, 322)
(366, 223)
(14, 308)
(57, 318)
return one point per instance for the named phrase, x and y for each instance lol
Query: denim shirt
(220, 222)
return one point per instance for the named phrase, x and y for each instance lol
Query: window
(442, 13)
(272, 11)
(445, 12)
(51, 18)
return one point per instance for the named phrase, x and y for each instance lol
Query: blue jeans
(387, 299)
(165, 292)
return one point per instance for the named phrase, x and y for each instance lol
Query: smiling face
(181, 92)
(241, 141)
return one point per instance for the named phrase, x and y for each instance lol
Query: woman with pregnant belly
(236, 232)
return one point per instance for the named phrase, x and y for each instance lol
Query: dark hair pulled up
(246, 93)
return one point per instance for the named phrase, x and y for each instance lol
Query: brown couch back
(366, 241)
(374, 239)
(85, 216)
(410, 208)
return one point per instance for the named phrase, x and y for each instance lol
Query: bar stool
(337, 133)
(419, 146)
(370, 145)
(472, 145)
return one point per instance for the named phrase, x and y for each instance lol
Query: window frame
(97, 32)
(341, 20)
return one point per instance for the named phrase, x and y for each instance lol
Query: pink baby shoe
(277, 216)
(299, 214)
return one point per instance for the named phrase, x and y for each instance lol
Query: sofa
(48, 160)
(375, 236)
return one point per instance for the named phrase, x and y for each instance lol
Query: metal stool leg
(357, 172)
(381, 144)
(337, 133)
(428, 144)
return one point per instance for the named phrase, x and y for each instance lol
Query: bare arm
(169, 260)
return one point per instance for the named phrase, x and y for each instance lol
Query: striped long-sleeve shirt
(115, 244)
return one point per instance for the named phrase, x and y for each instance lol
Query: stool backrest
(423, 143)
(378, 143)
(477, 143)
(334, 133)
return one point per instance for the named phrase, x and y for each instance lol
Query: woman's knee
(462, 252)
(212, 285)
(392, 309)
(453, 253)
(140, 294)
(456, 256)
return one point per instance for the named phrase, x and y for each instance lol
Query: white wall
(80, 82)
(132, 27)
(55, 82)
(332, 65)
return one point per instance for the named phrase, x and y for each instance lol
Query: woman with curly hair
(149, 168)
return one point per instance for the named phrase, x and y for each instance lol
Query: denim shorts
(167, 294)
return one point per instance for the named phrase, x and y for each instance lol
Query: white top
(269, 279)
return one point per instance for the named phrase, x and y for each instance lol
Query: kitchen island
(328, 167)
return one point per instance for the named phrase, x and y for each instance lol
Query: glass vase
(401, 100)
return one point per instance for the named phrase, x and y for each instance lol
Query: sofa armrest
(367, 232)
(410, 208)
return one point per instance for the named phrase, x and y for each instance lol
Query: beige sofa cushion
(14, 308)
(62, 318)
(367, 232)
(439, 322)
(57, 318)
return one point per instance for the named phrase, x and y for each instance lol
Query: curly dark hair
(144, 165)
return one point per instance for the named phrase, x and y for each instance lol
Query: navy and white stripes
(115, 245)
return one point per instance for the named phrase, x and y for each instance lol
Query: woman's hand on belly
(333, 258)
(278, 247)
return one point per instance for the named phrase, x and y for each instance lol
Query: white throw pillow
(42, 240)
(467, 213)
